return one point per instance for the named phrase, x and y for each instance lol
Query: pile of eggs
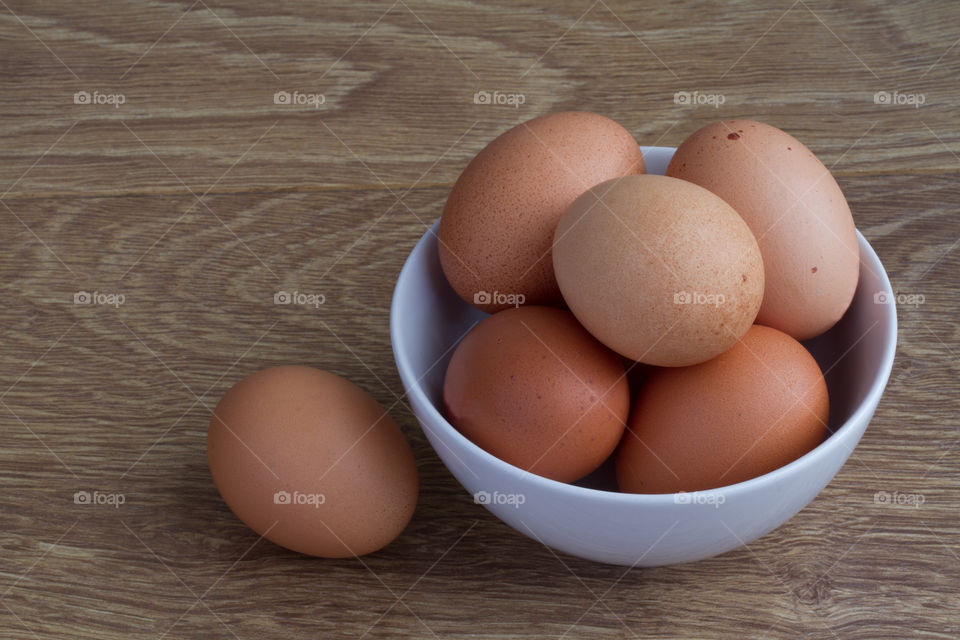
(651, 319)
(695, 287)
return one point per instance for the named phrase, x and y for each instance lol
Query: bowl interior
(428, 319)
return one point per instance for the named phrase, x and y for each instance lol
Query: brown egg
(532, 387)
(312, 462)
(794, 208)
(659, 270)
(497, 227)
(754, 408)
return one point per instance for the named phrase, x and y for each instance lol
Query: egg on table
(312, 462)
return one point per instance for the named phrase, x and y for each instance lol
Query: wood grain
(199, 198)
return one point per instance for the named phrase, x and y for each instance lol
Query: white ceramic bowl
(427, 320)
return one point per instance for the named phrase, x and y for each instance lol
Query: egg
(795, 209)
(658, 269)
(496, 231)
(312, 462)
(756, 407)
(532, 387)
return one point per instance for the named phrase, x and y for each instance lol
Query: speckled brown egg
(532, 387)
(658, 269)
(795, 209)
(312, 462)
(496, 232)
(756, 407)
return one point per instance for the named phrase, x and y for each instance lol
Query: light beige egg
(658, 269)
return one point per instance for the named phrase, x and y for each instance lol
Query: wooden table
(147, 154)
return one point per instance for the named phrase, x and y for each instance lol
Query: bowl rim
(414, 388)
